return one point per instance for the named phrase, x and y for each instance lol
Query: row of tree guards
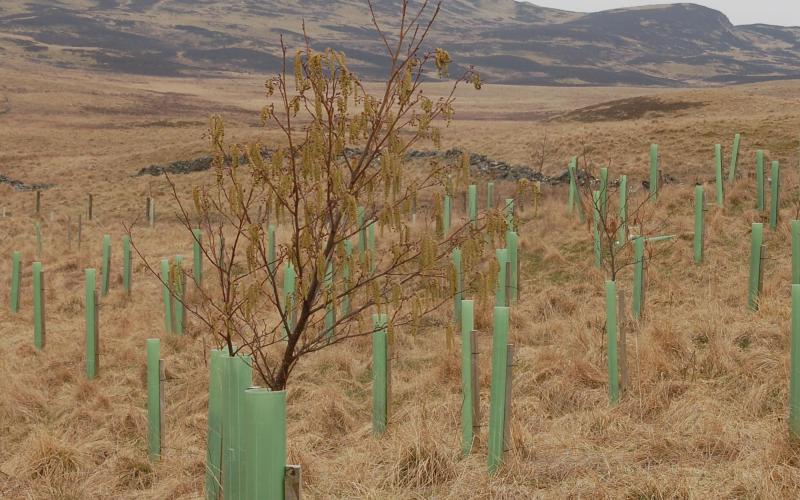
(91, 298)
(230, 376)
(615, 309)
(247, 470)
(255, 467)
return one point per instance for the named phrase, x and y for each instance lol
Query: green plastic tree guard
(289, 278)
(38, 202)
(472, 196)
(603, 192)
(774, 201)
(467, 422)
(348, 252)
(598, 247)
(449, 188)
(613, 331)
(330, 306)
(197, 256)
(638, 277)
(501, 299)
(214, 445)
(737, 139)
(754, 286)
(380, 374)
(271, 249)
(362, 232)
(622, 234)
(166, 295)
(38, 306)
(446, 216)
(178, 296)
(38, 229)
(238, 377)
(373, 254)
(490, 195)
(264, 450)
(573, 184)
(459, 295)
(512, 244)
(92, 325)
(794, 371)
(16, 271)
(657, 239)
(654, 171)
(106, 269)
(154, 398)
(718, 174)
(699, 201)
(796, 252)
(497, 401)
(760, 194)
(126, 264)
(510, 214)
(575, 197)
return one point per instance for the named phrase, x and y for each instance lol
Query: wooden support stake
(80, 228)
(292, 483)
(476, 399)
(152, 213)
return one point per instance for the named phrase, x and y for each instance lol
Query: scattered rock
(479, 163)
(178, 167)
(21, 186)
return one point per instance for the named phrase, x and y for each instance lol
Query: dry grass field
(705, 415)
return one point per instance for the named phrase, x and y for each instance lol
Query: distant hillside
(510, 42)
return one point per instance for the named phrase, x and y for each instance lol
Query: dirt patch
(5, 105)
(628, 109)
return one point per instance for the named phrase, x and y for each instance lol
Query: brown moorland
(705, 414)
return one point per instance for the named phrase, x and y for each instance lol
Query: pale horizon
(776, 12)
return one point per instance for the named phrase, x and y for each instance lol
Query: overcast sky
(780, 12)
